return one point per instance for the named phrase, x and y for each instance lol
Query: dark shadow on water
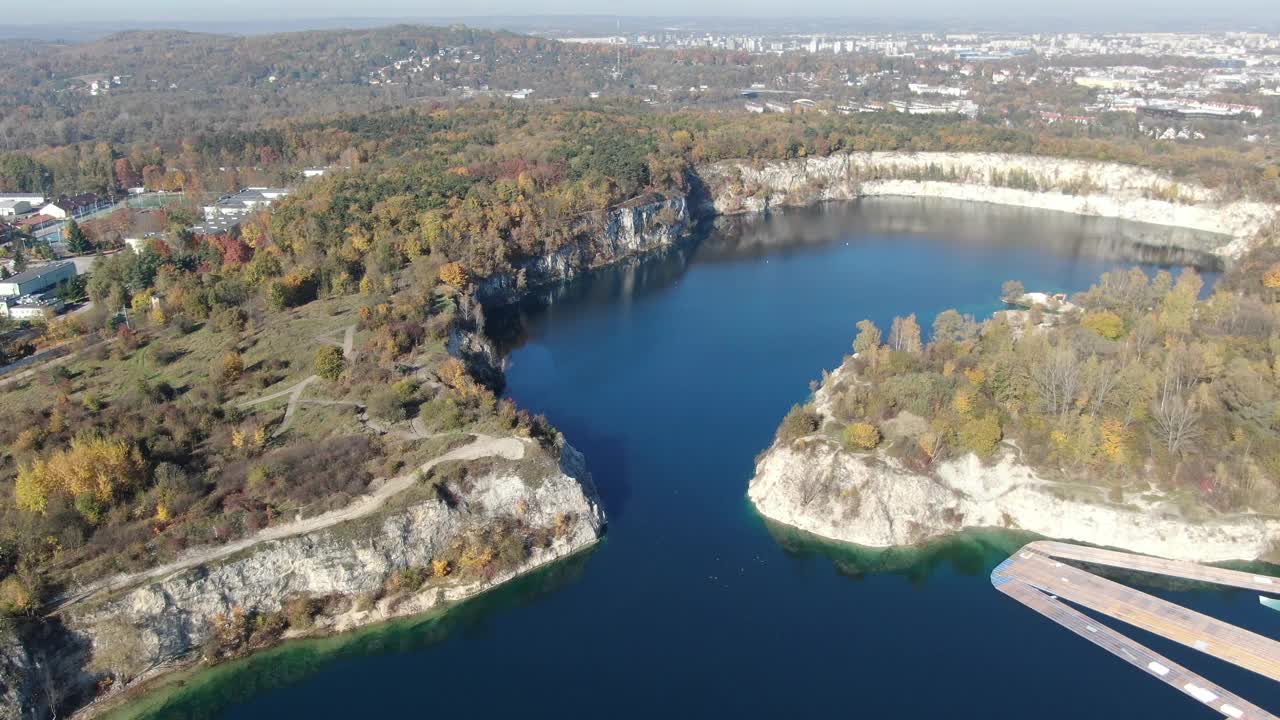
(606, 461)
(210, 692)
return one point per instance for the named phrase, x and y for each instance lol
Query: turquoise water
(670, 375)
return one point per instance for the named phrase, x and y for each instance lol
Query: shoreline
(1120, 192)
(176, 675)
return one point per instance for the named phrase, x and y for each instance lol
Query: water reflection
(963, 223)
(953, 222)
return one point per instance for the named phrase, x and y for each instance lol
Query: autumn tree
(951, 326)
(454, 275)
(329, 362)
(904, 335)
(868, 339)
(230, 368)
(1105, 323)
(97, 468)
(1012, 290)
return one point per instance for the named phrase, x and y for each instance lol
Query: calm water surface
(671, 375)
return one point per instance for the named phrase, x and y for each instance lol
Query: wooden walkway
(1036, 577)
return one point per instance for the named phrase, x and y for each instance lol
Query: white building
(30, 307)
(244, 202)
(14, 208)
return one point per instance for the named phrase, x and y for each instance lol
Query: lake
(670, 374)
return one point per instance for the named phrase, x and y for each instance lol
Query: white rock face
(172, 616)
(873, 500)
(633, 229)
(1113, 190)
(869, 501)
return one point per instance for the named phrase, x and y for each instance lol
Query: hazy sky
(1247, 12)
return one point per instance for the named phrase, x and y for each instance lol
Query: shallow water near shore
(670, 375)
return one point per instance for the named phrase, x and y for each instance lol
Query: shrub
(801, 420)
(164, 355)
(230, 368)
(20, 594)
(301, 612)
(981, 435)
(385, 404)
(228, 319)
(862, 435)
(329, 362)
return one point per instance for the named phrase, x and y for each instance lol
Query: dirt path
(348, 344)
(510, 448)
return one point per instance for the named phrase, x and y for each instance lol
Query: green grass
(287, 338)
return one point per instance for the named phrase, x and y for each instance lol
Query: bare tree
(1176, 418)
(1103, 379)
(1057, 378)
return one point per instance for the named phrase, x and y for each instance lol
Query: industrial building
(38, 279)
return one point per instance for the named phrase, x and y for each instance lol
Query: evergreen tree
(77, 242)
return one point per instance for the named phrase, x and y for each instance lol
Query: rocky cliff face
(876, 502)
(1074, 186)
(150, 628)
(870, 499)
(634, 228)
(17, 678)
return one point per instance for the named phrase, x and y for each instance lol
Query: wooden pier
(1036, 577)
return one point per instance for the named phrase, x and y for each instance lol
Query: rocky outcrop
(1074, 186)
(876, 502)
(552, 507)
(17, 678)
(635, 228)
(871, 499)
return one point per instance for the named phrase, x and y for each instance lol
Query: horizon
(1265, 15)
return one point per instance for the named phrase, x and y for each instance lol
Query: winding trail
(510, 448)
(295, 392)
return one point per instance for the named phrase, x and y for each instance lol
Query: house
(75, 206)
(312, 172)
(38, 279)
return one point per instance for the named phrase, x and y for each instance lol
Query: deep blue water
(670, 375)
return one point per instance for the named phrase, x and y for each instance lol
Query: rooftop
(36, 273)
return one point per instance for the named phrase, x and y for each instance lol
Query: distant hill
(158, 84)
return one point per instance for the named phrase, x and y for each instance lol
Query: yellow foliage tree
(440, 568)
(976, 376)
(104, 467)
(1105, 323)
(454, 275)
(1271, 278)
(964, 401)
(1115, 440)
(232, 367)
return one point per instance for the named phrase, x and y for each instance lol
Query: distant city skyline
(150, 12)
